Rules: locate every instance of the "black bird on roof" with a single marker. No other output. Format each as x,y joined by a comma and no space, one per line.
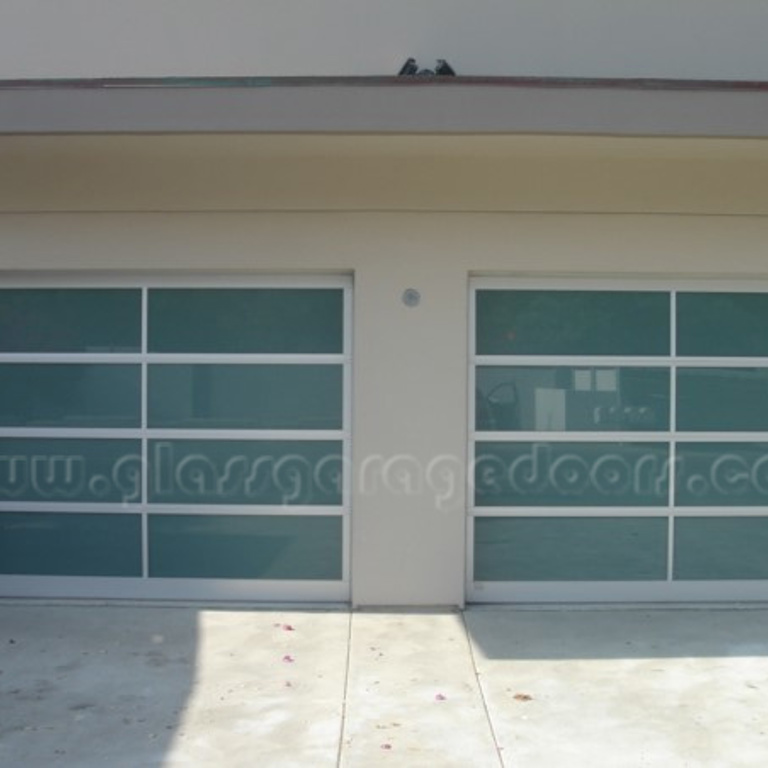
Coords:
411,68
444,69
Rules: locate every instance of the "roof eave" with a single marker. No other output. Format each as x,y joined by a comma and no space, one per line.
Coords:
434,105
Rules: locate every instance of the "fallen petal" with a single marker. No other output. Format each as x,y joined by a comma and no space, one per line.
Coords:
288,659
440,697
288,628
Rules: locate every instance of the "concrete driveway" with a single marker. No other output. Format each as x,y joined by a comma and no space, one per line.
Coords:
110,686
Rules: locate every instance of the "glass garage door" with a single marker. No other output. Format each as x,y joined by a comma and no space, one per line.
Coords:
619,442
175,441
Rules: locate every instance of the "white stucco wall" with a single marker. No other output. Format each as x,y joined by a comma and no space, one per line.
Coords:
577,38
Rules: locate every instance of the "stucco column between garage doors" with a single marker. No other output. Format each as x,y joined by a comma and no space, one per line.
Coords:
409,433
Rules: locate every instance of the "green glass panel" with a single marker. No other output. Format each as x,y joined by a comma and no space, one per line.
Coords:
721,474
245,547
70,320
570,549
571,474
246,396
42,469
722,399
571,399
285,472
249,320
572,322
64,544
722,324
70,395
721,548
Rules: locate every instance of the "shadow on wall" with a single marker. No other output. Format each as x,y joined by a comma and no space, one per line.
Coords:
619,633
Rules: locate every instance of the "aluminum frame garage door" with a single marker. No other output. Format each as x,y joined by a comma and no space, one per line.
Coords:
619,441
180,438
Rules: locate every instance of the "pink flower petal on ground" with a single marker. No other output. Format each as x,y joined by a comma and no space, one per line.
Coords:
288,659
440,697
386,746
289,628
522,697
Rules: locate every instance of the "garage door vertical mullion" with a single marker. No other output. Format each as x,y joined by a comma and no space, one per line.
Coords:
144,440
346,464
673,434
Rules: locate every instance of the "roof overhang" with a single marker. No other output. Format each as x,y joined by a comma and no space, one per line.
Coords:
460,105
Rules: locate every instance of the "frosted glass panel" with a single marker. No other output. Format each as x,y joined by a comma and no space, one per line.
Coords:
721,474
571,474
60,469
246,320
242,547
282,472
722,324
721,548
722,399
511,322
246,396
70,320
64,544
70,395
571,399
570,549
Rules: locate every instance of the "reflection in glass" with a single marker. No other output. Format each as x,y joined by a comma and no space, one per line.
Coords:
722,399
518,322
570,549
571,398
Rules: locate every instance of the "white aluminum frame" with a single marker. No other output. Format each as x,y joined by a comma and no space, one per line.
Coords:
145,587
667,590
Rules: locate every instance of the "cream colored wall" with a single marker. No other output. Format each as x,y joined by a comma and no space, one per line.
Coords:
410,365
395,212
577,38
384,173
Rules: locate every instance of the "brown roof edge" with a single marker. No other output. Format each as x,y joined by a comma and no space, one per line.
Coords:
601,83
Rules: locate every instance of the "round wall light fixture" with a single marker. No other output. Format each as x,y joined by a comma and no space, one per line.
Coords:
411,297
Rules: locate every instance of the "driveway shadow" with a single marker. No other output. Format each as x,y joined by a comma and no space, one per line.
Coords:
616,633
93,686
